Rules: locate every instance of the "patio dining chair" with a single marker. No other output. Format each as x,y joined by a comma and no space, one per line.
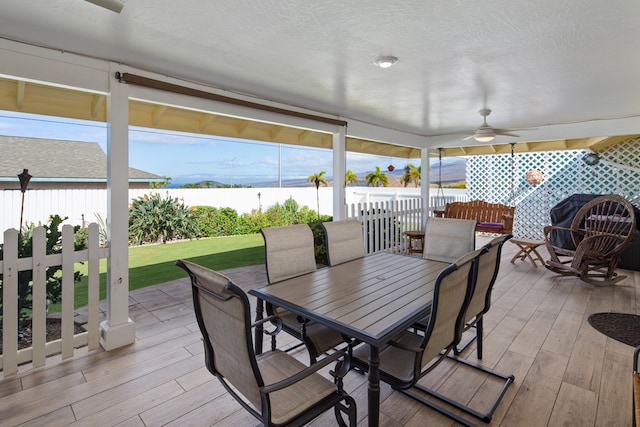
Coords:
274,387
344,240
447,239
411,355
600,232
488,268
290,252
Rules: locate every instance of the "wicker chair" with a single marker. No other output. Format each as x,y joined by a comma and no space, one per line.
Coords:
411,356
344,240
600,232
289,252
447,239
274,387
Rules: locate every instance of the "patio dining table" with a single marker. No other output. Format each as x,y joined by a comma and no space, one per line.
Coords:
371,299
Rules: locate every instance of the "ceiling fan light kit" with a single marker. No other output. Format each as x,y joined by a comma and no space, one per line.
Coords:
486,133
484,138
385,61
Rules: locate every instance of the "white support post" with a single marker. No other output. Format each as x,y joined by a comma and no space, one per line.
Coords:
339,170
118,330
425,182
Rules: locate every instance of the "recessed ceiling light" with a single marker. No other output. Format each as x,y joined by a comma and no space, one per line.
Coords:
385,61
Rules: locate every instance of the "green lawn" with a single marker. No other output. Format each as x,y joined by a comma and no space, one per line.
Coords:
154,264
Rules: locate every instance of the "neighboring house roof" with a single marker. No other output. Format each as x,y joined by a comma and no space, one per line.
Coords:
58,160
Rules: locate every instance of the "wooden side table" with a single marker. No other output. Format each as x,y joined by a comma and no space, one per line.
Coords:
528,250
416,241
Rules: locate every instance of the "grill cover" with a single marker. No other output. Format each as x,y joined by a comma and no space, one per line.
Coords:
562,215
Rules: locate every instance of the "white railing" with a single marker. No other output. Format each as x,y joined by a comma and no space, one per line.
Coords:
385,222
38,263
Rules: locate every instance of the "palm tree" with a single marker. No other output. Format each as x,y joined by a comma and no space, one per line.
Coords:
350,178
376,178
317,179
411,174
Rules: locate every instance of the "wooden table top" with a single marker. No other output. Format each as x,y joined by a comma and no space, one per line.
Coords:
370,298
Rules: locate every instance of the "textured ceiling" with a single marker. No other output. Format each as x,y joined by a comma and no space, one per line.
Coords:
568,68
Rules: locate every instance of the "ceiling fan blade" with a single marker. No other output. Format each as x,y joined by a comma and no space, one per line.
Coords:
467,138
506,134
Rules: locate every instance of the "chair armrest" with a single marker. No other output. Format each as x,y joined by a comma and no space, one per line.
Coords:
405,347
273,319
304,373
549,228
438,213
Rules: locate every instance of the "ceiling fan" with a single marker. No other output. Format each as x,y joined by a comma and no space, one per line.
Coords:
486,133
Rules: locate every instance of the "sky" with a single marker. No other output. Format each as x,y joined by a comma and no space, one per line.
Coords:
191,158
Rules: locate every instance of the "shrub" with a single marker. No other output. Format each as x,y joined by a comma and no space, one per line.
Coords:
53,273
319,238
250,223
153,219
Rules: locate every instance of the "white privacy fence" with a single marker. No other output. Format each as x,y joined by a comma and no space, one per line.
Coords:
384,223
81,206
11,265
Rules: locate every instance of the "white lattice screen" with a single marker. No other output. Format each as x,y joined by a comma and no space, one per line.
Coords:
501,179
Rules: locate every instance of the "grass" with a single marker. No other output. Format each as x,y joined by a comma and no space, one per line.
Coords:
154,264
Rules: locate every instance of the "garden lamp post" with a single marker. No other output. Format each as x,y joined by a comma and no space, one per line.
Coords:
316,181
24,178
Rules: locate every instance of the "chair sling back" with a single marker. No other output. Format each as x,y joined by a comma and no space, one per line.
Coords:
275,387
289,252
344,240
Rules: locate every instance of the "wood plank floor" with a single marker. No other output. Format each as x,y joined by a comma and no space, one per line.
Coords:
567,373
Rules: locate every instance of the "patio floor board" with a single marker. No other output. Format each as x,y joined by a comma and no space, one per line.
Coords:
537,329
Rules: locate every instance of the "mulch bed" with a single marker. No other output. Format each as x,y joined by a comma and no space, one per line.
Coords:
54,332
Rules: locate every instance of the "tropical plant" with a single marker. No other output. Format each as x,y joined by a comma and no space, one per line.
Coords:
102,230
153,219
350,178
412,174
317,179
53,276
377,178
163,184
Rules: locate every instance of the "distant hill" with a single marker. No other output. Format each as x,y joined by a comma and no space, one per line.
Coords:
453,170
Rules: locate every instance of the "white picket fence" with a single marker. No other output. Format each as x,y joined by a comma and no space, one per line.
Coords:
39,262
384,223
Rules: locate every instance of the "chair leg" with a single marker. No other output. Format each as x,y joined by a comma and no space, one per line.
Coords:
435,407
349,409
479,332
464,344
485,417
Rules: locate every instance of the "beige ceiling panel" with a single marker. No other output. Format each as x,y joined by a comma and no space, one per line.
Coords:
28,97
